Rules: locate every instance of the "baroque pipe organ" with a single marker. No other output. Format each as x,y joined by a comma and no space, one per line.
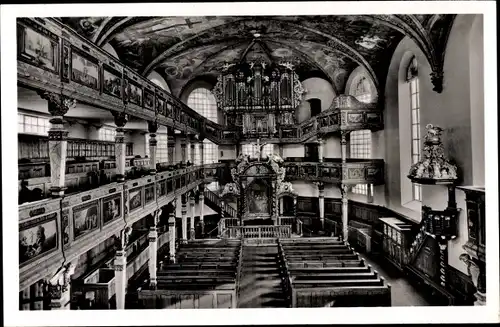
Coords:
258,97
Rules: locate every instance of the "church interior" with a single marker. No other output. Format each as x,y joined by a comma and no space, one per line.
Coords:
194,162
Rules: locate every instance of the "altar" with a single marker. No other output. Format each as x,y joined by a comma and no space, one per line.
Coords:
258,184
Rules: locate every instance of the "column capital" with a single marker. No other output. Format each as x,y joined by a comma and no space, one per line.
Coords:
152,127
343,137
60,284
343,190
121,118
124,238
58,104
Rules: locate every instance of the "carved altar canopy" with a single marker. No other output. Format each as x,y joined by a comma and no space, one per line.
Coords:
258,185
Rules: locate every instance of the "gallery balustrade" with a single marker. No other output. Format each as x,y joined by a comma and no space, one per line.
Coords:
54,230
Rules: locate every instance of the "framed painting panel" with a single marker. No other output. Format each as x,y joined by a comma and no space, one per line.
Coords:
133,93
111,208
37,46
149,193
84,69
149,100
112,82
37,237
85,219
135,198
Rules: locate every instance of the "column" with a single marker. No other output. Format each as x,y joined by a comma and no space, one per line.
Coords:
320,148
200,149
59,288
171,146
171,232
282,207
184,217
120,265
280,150
343,145
152,128
58,106
343,187
192,151
191,204
153,249
321,190
184,143
188,149
201,203
179,149
238,149
345,229
121,119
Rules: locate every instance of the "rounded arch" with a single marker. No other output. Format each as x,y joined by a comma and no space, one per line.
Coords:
361,85
159,81
316,88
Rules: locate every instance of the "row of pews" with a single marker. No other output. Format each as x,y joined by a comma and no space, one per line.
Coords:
325,272
205,275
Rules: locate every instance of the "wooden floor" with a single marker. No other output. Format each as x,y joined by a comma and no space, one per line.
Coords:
402,292
260,285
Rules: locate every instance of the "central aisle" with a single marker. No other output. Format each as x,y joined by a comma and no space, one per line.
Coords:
260,284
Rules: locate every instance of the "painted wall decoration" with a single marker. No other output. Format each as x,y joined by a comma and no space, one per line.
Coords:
149,193
37,48
37,237
135,200
111,208
84,71
85,219
112,83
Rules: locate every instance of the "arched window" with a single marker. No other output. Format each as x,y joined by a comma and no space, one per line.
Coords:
203,102
413,84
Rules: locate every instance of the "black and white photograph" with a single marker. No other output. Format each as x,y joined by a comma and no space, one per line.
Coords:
271,159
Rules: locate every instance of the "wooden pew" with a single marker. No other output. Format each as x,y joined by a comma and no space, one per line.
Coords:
326,264
334,276
318,252
198,272
200,266
346,296
322,257
327,270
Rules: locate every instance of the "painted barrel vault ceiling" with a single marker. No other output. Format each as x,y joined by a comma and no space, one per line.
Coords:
182,49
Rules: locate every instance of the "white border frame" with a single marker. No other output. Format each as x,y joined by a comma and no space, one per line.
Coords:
9,13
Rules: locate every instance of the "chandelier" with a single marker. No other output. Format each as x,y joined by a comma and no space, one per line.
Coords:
258,96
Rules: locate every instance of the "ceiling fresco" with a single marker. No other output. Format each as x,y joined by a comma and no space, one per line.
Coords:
183,48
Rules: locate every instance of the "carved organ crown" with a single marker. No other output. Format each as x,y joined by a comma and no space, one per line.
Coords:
258,96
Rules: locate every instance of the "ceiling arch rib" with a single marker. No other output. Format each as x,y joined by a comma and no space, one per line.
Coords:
100,29
107,35
412,27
